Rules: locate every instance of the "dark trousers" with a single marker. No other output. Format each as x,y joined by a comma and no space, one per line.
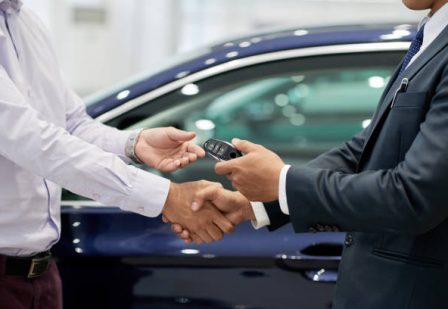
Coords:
44,292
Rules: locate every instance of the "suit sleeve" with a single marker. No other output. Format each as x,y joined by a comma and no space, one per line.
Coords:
344,159
407,199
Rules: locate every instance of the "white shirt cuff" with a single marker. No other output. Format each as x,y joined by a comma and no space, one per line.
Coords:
261,216
148,195
283,201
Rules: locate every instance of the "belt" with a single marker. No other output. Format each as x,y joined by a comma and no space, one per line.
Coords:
27,267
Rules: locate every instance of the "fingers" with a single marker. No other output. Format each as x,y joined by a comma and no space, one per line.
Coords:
215,232
185,160
179,135
224,168
244,146
205,236
177,228
181,233
192,157
195,149
209,193
224,225
197,240
185,235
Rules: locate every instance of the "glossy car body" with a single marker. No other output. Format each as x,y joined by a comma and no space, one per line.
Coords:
298,92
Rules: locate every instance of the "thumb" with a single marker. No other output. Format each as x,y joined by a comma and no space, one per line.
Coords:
209,193
180,135
244,146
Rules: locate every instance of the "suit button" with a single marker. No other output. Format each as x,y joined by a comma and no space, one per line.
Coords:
348,240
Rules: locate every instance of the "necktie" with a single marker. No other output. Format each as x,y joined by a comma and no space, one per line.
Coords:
413,50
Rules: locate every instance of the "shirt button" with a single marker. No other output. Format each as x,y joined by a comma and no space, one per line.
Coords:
140,209
348,240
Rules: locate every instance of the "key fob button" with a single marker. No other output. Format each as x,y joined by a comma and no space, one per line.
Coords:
222,151
215,150
211,145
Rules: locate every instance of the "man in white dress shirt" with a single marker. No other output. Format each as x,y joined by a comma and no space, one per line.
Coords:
47,141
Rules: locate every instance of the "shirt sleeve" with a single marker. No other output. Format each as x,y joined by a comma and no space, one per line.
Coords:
261,216
80,124
50,151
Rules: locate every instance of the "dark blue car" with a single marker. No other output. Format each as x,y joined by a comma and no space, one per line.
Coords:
299,92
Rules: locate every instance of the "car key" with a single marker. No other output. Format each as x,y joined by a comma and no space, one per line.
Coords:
221,150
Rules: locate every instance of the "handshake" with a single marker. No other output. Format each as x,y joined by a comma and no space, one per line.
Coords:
204,211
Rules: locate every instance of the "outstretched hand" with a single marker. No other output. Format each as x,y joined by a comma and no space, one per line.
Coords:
167,149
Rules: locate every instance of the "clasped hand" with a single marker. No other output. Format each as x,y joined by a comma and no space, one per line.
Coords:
203,211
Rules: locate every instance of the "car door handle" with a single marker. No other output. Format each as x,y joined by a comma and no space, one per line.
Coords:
313,269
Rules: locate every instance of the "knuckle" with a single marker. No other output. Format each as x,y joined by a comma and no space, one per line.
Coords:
229,229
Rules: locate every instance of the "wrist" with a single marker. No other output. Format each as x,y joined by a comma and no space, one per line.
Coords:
248,212
132,145
173,196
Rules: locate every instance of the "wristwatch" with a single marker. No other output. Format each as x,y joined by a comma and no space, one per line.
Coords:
130,146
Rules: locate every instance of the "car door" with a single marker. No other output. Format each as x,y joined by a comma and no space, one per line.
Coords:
297,106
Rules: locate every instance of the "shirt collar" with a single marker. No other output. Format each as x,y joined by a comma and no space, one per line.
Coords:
434,25
10,6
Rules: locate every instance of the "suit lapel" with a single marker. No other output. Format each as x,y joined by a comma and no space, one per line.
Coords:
432,50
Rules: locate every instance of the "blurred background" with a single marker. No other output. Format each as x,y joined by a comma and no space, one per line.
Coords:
102,42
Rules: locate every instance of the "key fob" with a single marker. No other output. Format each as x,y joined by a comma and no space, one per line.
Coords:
221,150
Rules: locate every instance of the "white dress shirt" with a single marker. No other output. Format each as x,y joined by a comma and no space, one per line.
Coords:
47,141
434,25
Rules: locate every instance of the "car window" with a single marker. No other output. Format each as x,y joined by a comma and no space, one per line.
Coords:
313,110
299,107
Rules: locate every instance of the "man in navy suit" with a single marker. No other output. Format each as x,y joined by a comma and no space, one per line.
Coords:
387,187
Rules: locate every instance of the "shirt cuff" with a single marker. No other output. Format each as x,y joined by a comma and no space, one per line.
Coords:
261,216
283,201
148,194
118,143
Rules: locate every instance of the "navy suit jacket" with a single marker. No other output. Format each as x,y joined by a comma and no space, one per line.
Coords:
388,188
